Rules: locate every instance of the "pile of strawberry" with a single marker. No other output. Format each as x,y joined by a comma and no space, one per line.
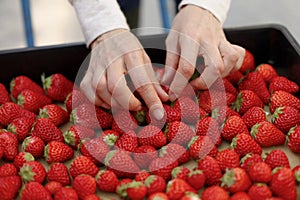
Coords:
55,144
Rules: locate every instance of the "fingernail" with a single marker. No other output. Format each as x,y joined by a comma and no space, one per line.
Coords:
158,113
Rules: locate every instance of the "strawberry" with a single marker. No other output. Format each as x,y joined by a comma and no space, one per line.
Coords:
245,100
150,120
209,126
9,144
236,180
143,155
282,98
223,85
9,187
189,110
95,150
248,62
196,178
283,177
10,111
163,167
1,152
260,172
180,172
244,144
233,126
214,192
249,159
277,158
267,135
66,193
179,133
34,145
222,113
190,196
296,171
211,169
254,115
240,196
8,169
47,131
177,187
92,197
109,137
122,187
22,158
267,71
155,184
84,185
57,114
76,133
151,135
136,190
286,117
33,171
228,159
234,77
82,165
58,172
294,139
201,146
121,163
21,127
74,99
175,152
56,151
123,122
172,113
283,83
127,142
140,115
142,175
158,195
4,95
57,86
53,187
107,181
34,190
20,83
259,191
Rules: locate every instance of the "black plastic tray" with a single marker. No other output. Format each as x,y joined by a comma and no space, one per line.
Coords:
269,43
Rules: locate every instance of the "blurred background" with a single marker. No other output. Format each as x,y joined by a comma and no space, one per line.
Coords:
55,22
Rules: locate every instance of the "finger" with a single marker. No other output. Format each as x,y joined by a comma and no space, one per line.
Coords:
230,57
241,52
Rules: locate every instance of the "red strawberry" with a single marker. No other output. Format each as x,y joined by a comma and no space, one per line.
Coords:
267,135
22,158
9,187
84,185
267,71
74,99
245,100
127,142
33,171
109,137
34,190
151,135
8,169
282,98
4,95
201,146
10,111
76,133
9,144
259,191
34,145
47,131
248,63
163,167
107,181
121,163
196,178
95,150
286,117
92,197
234,77
21,127
177,187
56,151
124,121
59,172
254,115
214,192
143,156
260,172
180,172
233,126
294,139
155,184
158,195
122,187
190,196
1,152
188,109
140,115
172,113
296,171
20,83
284,177
244,144
179,133
222,113
82,165
142,175
57,114
284,84
175,152
66,193
211,169
240,196
249,159
277,158
136,190
53,187
236,180
57,86
228,159
224,85
209,126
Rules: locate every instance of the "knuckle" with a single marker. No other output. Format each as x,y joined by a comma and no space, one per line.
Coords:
187,69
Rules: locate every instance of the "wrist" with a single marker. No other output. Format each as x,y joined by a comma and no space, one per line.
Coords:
106,35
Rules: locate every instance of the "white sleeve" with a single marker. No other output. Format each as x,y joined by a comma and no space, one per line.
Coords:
218,8
98,16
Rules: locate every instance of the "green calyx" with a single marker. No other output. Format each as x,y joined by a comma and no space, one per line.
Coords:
176,171
292,130
234,142
110,139
46,152
69,137
100,172
20,100
44,113
134,184
46,82
25,143
192,141
248,155
297,176
28,156
215,113
238,103
73,118
108,157
228,178
12,85
140,116
276,113
26,173
11,128
254,130
149,180
195,172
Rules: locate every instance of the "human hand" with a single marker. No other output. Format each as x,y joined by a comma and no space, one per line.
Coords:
195,31
115,54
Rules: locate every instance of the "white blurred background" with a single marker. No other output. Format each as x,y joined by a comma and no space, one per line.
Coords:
55,22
